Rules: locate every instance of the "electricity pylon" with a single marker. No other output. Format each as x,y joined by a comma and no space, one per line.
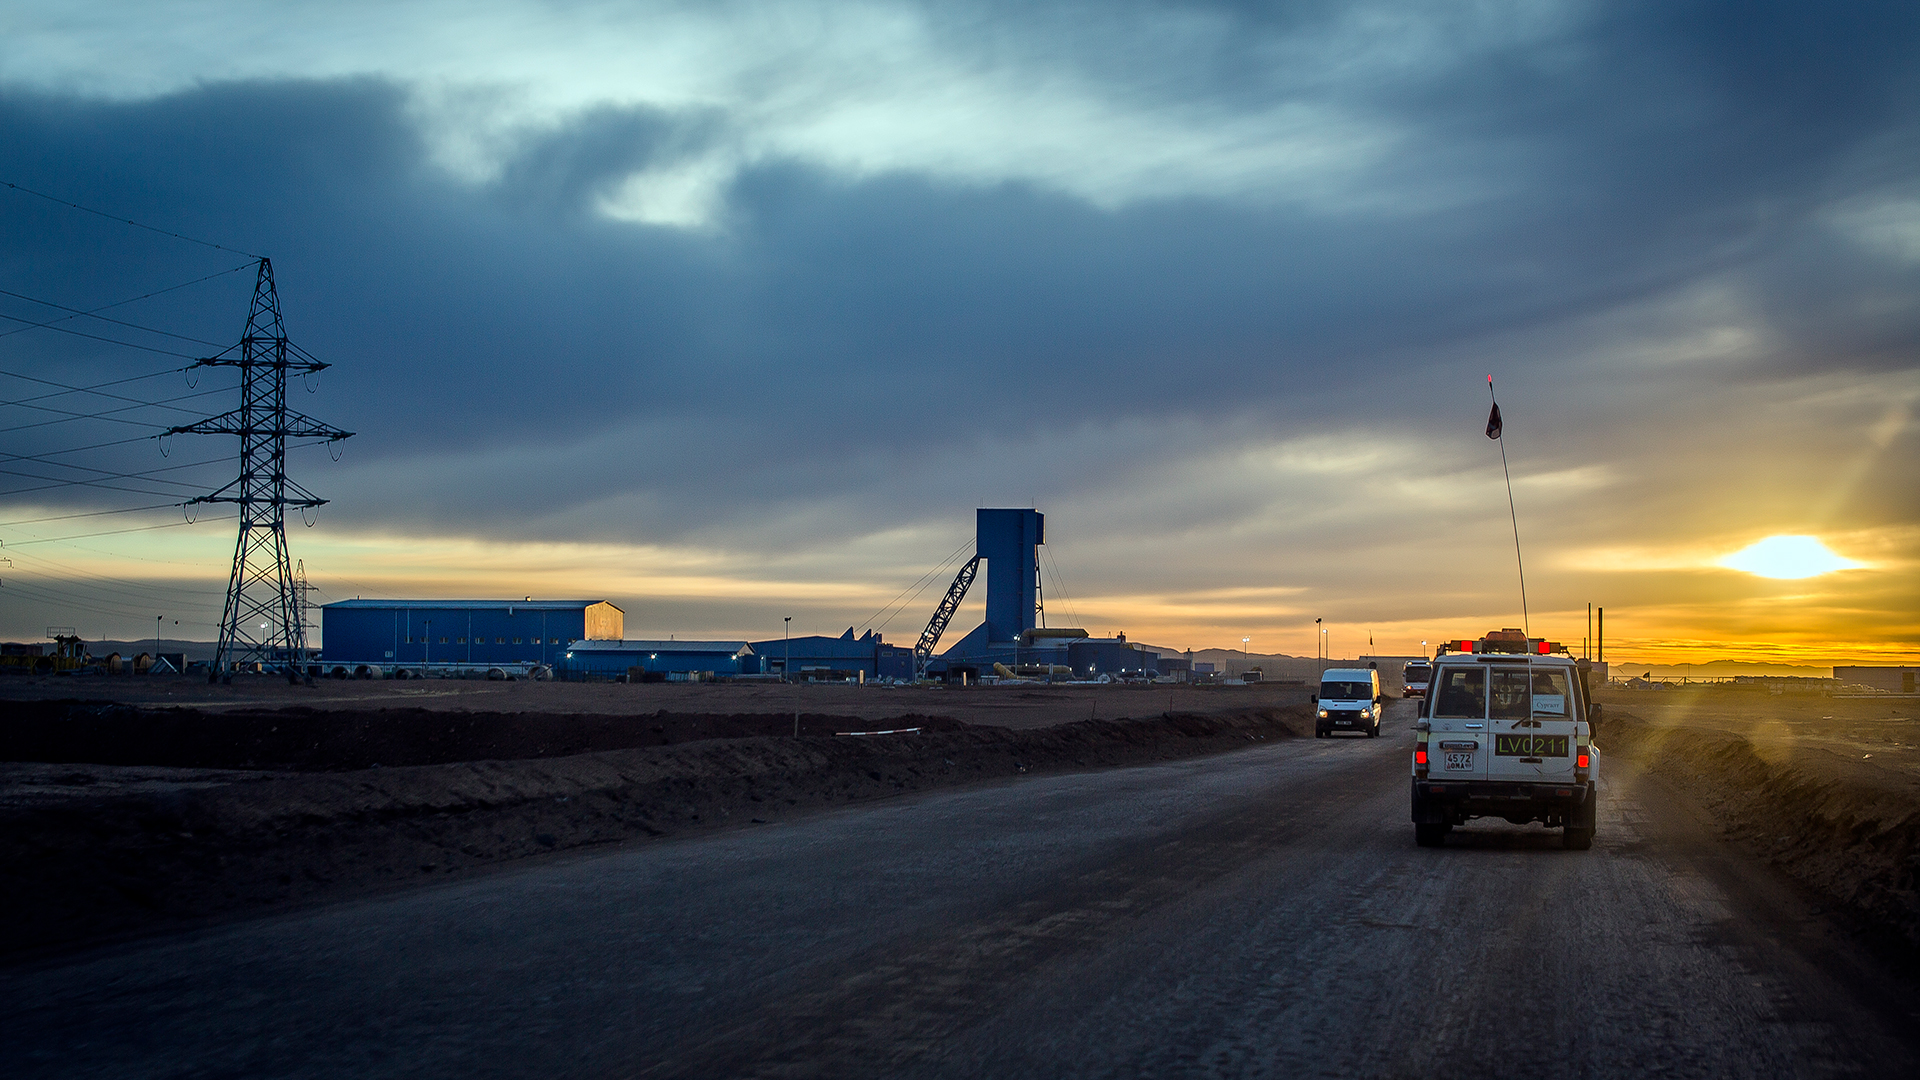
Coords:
263,621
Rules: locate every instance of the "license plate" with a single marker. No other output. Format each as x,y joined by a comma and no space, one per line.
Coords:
1530,745
1457,760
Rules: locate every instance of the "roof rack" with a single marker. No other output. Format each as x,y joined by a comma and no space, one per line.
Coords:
1507,641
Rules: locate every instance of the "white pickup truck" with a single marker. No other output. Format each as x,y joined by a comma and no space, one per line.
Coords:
1506,731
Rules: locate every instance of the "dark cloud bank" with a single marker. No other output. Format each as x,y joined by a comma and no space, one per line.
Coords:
835,337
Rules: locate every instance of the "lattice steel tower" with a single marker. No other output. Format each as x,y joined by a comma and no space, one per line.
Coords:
263,621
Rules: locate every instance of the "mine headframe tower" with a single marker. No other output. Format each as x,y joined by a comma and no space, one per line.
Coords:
262,621
1009,541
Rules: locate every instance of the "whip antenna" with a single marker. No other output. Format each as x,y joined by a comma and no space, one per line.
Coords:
1494,431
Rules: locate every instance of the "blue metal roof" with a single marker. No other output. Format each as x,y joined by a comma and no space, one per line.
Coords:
728,648
531,605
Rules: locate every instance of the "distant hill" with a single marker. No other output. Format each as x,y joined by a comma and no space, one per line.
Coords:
1713,669
1279,665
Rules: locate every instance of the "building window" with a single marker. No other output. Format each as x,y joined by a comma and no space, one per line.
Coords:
443,639
459,641
516,641
499,641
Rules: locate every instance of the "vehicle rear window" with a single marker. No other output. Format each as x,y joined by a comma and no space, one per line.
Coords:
1462,694
1551,696
1346,691
1520,692
1509,699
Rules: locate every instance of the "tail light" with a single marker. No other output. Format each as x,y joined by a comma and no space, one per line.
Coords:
1582,761
1420,756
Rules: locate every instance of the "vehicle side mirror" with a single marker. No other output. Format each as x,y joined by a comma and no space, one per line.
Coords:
1313,697
1378,698
1593,716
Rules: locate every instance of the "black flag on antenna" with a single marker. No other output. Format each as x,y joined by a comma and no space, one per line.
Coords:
1493,422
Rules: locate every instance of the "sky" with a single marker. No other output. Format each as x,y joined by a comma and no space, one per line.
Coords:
728,312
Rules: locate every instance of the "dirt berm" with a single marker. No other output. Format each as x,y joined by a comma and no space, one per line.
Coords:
1846,829
194,818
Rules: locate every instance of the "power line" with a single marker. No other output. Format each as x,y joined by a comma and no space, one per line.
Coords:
919,586
108,415
111,590
57,482
1061,585
39,592
89,389
90,513
79,314
117,532
65,390
130,300
97,337
127,221
75,450
109,474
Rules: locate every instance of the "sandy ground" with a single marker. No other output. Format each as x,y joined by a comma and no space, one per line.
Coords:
1028,706
204,803
1882,732
1827,788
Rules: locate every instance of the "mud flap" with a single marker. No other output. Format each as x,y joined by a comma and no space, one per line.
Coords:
1428,811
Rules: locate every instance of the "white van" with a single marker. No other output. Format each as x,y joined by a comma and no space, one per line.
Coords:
1350,700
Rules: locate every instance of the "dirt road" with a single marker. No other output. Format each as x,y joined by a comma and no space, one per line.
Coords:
1261,913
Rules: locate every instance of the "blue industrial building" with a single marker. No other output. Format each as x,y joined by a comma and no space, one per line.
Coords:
1092,657
817,656
1007,540
437,634
619,659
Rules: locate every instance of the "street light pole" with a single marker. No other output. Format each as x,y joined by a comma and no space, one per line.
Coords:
1246,659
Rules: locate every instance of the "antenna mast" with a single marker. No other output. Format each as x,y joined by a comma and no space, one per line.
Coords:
1496,429
263,620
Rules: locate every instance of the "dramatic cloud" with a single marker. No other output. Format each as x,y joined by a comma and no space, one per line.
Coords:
764,298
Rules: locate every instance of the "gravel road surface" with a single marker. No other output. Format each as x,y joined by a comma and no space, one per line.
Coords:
1262,913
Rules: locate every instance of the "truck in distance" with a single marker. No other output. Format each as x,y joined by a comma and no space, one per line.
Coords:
1413,678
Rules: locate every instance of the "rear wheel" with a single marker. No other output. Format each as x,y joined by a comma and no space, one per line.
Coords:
1578,835
1429,835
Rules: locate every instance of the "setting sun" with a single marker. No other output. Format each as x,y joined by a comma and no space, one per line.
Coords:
1787,557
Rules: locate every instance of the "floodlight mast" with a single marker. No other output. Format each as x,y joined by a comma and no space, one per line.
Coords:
262,586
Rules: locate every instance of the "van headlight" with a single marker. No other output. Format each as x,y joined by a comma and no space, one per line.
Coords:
1323,714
